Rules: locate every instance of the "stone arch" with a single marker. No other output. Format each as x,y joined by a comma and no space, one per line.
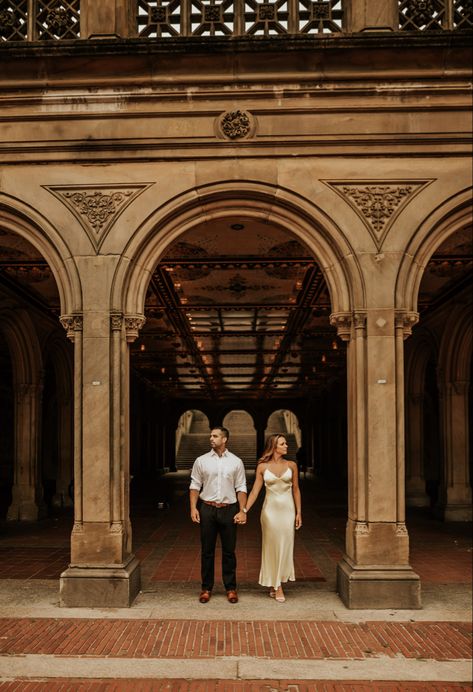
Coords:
453,214
23,345
423,348
20,218
27,370
456,345
276,205
60,355
228,410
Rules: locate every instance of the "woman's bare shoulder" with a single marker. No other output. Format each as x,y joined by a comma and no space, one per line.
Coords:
292,464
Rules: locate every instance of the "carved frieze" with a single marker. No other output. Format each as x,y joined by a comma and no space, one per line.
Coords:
97,207
377,203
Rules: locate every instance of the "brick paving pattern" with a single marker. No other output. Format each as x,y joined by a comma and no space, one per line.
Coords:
168,545
296,640
177,685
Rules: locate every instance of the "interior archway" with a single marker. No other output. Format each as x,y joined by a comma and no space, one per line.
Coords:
34,400
438,382
237,326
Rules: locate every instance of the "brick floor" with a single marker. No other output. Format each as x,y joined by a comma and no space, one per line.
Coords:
167,542
295,640
181,685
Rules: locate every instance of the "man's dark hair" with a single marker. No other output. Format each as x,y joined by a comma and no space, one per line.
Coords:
226,432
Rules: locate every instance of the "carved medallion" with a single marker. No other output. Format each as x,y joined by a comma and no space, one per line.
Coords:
236,125
378,203
97,207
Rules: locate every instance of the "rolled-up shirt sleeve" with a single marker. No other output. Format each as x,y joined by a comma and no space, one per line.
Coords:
240,479
196,476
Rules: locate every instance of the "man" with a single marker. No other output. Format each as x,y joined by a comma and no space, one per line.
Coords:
217,498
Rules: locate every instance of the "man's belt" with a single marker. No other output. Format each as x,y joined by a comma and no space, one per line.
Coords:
218,504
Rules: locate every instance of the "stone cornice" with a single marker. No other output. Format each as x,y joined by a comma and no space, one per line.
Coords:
399,40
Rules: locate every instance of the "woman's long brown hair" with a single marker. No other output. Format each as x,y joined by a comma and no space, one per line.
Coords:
270,447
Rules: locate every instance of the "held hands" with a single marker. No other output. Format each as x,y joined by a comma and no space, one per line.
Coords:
240,518
298,521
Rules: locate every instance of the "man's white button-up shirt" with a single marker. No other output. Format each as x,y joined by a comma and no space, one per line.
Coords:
220,477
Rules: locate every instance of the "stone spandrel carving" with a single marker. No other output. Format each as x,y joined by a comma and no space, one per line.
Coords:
97,207
236,125
378,203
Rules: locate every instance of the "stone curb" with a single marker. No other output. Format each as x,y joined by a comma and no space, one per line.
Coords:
381,668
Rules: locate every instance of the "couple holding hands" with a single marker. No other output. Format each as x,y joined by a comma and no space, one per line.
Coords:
219,502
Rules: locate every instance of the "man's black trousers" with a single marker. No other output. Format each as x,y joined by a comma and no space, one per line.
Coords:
218,521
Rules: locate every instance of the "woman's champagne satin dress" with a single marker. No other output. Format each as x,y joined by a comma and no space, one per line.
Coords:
277,525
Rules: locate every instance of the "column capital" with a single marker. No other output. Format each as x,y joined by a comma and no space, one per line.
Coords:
116,321
72,324
342,321
133,324
359,320
405,320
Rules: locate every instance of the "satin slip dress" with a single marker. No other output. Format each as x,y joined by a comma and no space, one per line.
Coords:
277,526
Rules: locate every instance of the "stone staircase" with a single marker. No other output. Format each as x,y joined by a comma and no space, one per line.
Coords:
242,439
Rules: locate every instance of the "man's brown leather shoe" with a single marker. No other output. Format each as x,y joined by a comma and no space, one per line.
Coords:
232,596
205,596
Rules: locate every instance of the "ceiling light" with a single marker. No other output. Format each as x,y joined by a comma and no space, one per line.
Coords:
334,345
142,347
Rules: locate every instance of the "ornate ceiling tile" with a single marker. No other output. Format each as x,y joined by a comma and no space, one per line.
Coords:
378,203
97,207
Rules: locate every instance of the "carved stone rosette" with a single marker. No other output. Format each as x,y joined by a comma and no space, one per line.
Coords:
235,125
72,324
133,324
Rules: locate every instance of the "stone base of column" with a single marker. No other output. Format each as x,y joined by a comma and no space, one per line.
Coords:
378,587
110,587
457,512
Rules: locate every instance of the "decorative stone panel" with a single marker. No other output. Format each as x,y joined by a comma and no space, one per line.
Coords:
235,125
376,202
97,207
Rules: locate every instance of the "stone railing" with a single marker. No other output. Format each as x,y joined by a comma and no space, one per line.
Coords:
53,20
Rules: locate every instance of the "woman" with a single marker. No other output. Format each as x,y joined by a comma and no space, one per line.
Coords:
280,514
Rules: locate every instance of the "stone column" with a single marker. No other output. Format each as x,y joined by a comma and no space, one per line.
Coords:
103,571
372,15
62,497
375,571
27,492
455,492
416,495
